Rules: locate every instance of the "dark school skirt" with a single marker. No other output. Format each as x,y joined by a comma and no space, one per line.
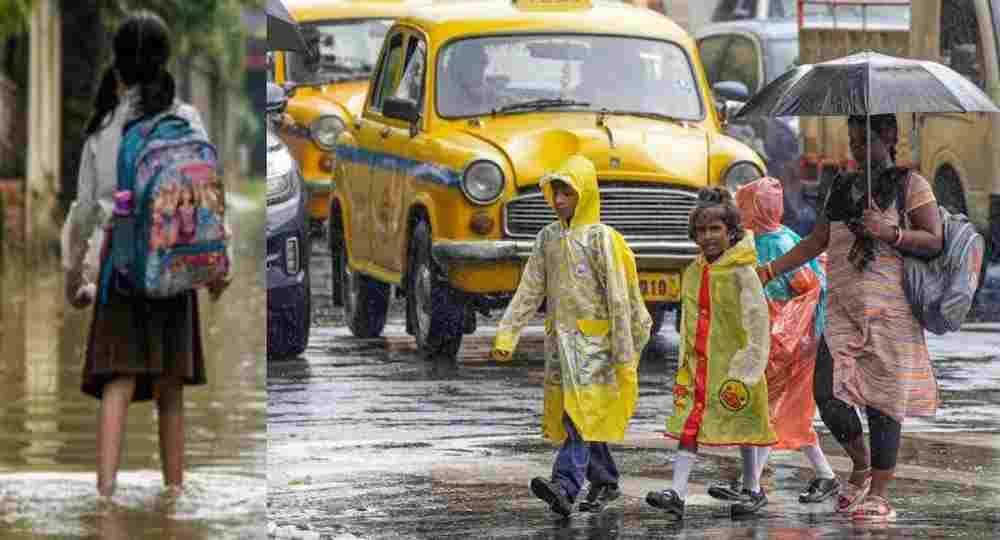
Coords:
144,338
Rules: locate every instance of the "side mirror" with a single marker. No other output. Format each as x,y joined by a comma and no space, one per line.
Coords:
732,91
276,98
727,109
401,109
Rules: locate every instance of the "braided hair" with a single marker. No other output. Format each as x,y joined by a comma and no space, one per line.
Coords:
718,197
141,49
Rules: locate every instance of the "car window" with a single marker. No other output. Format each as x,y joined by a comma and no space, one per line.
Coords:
781,55
734,10
781,9
390,72
961,49
412,83
712,50
347,49
741,63
478,75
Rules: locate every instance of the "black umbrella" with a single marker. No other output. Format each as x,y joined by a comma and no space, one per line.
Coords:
867,83
282,30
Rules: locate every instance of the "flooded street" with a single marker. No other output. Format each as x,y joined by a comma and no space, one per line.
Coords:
48,446
369,441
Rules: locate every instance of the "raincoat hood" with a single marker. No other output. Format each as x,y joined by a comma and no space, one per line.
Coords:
580,174
761,203
742,254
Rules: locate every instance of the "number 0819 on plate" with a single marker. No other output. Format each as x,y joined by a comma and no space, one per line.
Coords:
660,287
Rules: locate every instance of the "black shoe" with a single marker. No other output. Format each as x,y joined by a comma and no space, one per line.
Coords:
819,490
751,503
728,491
599,496
551,493
668,500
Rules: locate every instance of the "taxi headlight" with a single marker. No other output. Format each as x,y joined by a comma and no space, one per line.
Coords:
325,130
280,176
741,173
482,182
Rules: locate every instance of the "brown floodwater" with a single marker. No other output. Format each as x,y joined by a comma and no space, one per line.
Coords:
48,426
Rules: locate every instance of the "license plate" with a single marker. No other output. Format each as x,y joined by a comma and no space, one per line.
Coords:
660,287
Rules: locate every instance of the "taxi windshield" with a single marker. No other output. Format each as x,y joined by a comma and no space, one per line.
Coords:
524,73
347,50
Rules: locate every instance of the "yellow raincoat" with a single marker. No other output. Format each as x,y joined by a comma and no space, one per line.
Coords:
596,324
720,394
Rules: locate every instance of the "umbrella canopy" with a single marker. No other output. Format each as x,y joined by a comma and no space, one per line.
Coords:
867,83
282,30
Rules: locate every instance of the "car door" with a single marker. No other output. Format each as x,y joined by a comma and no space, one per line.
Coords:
374,160
410,147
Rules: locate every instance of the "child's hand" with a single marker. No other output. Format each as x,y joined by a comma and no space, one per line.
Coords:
500,355
763,274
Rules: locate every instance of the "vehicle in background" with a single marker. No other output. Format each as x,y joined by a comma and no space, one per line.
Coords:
740,58
289,307
436,187
330,86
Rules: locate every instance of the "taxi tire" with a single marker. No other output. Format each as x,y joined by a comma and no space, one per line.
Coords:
367,320
447,317
335,238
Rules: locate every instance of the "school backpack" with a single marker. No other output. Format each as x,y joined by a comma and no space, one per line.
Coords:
941,290
167,228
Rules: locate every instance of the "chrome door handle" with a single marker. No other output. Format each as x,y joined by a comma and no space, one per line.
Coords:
385,132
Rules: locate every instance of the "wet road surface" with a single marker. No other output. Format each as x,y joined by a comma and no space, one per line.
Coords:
48,427
369,441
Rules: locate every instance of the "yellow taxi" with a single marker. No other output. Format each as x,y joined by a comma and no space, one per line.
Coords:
329,88
436,181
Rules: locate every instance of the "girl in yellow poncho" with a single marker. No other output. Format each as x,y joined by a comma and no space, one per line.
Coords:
720,395
596,327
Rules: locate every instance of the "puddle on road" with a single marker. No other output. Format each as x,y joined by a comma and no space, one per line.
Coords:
48,447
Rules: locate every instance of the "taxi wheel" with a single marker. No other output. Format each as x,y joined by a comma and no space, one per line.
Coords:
335,239
434,310
366,300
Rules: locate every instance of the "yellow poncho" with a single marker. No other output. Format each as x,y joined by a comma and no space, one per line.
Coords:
720,395
596,323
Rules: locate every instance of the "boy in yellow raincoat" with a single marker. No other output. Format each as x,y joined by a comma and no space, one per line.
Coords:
595,329
720,394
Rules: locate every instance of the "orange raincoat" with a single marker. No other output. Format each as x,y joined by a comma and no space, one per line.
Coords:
796,303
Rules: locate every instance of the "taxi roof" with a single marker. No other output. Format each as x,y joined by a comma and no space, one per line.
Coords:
448,20
305,11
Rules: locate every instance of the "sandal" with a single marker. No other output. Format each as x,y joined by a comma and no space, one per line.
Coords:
851,496
874,508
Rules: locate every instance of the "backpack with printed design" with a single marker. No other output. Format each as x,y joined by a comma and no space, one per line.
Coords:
167,229
941,290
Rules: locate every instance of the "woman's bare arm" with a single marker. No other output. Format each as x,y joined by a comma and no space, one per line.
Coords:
925,238
808,249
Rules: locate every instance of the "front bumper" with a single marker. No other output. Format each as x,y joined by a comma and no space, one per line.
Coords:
449,252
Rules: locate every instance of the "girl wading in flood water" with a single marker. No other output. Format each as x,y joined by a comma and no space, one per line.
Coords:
873,354
139,349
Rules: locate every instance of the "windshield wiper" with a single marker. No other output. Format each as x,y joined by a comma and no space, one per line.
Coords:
643,114
538,104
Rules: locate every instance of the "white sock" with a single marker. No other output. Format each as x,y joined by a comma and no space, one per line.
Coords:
750,479
763,453
816,456
683,464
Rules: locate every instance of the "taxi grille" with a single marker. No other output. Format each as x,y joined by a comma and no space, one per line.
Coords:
637,213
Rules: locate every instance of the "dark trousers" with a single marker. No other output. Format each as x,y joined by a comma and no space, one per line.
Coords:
579,460
842,420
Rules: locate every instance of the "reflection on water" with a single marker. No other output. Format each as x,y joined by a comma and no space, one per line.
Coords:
48,447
